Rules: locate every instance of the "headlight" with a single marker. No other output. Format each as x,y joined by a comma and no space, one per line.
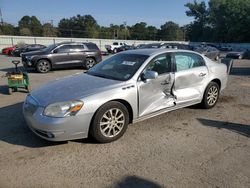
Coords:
63,109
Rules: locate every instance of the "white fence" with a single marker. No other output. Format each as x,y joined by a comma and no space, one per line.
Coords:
6,41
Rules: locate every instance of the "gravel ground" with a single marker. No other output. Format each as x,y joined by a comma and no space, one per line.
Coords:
184,148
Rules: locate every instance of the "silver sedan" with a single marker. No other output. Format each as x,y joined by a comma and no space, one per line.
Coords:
125,88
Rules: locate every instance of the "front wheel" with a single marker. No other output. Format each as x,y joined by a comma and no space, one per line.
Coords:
110,122
89,63
211,95
43,66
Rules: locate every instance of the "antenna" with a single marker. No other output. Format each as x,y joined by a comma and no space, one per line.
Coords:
1,16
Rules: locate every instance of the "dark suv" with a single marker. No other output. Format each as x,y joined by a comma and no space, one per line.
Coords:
63,55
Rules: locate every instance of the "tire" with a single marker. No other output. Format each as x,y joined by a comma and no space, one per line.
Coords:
89,63
113,126
43,66
10,91
115,51
211,95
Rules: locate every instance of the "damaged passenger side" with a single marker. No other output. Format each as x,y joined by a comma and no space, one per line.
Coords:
157,92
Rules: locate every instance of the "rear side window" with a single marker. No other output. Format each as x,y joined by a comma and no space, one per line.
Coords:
92,46
185,61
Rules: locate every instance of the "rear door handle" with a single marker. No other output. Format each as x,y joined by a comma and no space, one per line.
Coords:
202,74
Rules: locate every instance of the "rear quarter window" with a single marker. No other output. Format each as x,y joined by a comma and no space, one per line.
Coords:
92,46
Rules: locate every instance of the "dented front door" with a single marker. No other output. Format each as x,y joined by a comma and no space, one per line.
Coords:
155,94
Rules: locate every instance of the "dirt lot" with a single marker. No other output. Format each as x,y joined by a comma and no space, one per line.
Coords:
185,148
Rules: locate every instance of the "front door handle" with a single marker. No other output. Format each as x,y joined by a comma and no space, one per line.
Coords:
202,74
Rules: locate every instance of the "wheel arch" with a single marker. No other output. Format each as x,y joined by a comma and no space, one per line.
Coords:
216,80
122,101
43,58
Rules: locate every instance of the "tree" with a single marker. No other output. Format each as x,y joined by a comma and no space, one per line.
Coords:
49,30
25,31
7,29
230,20
196,30
170,31
79,26
139,31
31,23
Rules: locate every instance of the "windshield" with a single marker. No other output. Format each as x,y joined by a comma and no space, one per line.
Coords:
118,67
50,47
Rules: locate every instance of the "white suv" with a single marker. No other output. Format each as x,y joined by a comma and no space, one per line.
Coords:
113,48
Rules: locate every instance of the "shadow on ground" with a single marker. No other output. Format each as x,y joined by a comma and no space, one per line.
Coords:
136,182
234,127
13,129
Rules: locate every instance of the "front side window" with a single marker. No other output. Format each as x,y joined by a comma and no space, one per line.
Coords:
161,64
118,67
185,61
64,49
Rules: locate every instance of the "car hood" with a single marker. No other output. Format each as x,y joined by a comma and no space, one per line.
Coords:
72,88
38,52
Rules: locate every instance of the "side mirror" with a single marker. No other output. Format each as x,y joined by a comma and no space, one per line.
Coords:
149,75
55,51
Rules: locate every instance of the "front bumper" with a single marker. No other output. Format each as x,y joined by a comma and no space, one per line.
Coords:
56,129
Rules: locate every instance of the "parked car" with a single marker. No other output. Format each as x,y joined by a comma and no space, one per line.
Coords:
8,50
210,52
113,48
239,54
27,48
63,55
128,87
167,45
125,48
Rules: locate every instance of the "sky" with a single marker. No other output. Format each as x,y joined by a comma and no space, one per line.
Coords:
106,12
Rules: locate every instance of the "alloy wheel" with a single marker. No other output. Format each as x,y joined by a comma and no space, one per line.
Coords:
212,95
44,66
112,122
90,63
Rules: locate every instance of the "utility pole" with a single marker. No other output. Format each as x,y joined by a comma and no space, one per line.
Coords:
125,30
1,16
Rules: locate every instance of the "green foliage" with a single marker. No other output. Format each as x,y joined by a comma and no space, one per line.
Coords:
171,31
30,23
25,32
49,30
7,29
222,21
79,26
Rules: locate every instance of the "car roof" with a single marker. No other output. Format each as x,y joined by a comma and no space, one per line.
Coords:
154,51
75,43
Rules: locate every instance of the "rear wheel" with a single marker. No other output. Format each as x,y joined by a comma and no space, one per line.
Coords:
89,63
43,66
115,51
110,122
211,95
